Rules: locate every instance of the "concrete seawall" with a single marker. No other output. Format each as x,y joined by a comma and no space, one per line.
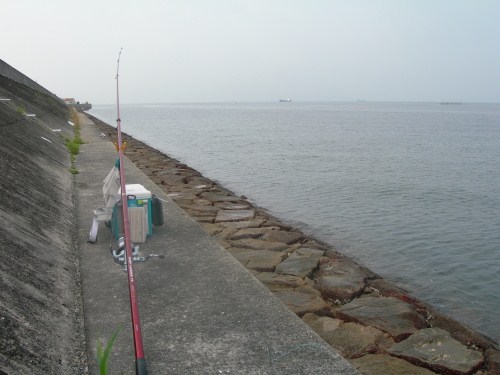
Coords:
40,309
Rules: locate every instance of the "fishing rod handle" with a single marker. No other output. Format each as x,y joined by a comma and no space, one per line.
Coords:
140,367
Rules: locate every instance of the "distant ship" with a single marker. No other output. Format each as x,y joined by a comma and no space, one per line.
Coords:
287,100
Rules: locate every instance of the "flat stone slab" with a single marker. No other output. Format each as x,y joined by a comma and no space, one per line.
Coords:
254,244
288,237
198,214
204,209
274,281
255,223
234,215
249,233
435,349
198,182
382,364
258,260
322,325
302,303
232,206
301,263
182,195
342,281
388,314
352,340
225,233
220,197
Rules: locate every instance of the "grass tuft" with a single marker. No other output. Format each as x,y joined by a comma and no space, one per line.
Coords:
73,145
103,355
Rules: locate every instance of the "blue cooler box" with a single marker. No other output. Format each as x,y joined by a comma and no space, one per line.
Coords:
138,196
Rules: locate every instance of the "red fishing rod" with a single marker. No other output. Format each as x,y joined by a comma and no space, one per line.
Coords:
140,362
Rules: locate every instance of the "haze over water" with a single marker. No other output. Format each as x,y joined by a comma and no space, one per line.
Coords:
411,190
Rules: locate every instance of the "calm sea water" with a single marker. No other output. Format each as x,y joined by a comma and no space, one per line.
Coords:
411,190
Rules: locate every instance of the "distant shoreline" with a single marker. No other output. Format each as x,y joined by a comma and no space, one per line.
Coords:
301,102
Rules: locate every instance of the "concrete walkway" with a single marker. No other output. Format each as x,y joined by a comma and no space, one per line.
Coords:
201,311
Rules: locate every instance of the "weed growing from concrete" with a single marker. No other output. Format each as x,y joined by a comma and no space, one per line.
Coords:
103,355
73,145
21,110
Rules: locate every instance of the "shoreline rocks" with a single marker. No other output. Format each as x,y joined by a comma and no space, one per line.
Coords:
360,314
435,349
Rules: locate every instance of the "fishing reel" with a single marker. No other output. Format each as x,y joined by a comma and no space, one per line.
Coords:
119,254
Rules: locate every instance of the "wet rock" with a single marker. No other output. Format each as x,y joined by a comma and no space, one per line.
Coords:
493,361
274,281
302,303
198,182
254,244
258,260
275,223
288,237
435,349
301,263
312,244
385,288
352,340
458,331
340,280
234,215
382,364
388,314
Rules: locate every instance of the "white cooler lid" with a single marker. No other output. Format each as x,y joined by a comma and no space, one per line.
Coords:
138,190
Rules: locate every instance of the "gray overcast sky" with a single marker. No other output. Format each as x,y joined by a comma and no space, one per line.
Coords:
257,50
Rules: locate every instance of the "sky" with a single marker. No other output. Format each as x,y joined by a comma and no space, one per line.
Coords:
257,50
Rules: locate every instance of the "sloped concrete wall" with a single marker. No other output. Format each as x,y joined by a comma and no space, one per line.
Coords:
40,308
